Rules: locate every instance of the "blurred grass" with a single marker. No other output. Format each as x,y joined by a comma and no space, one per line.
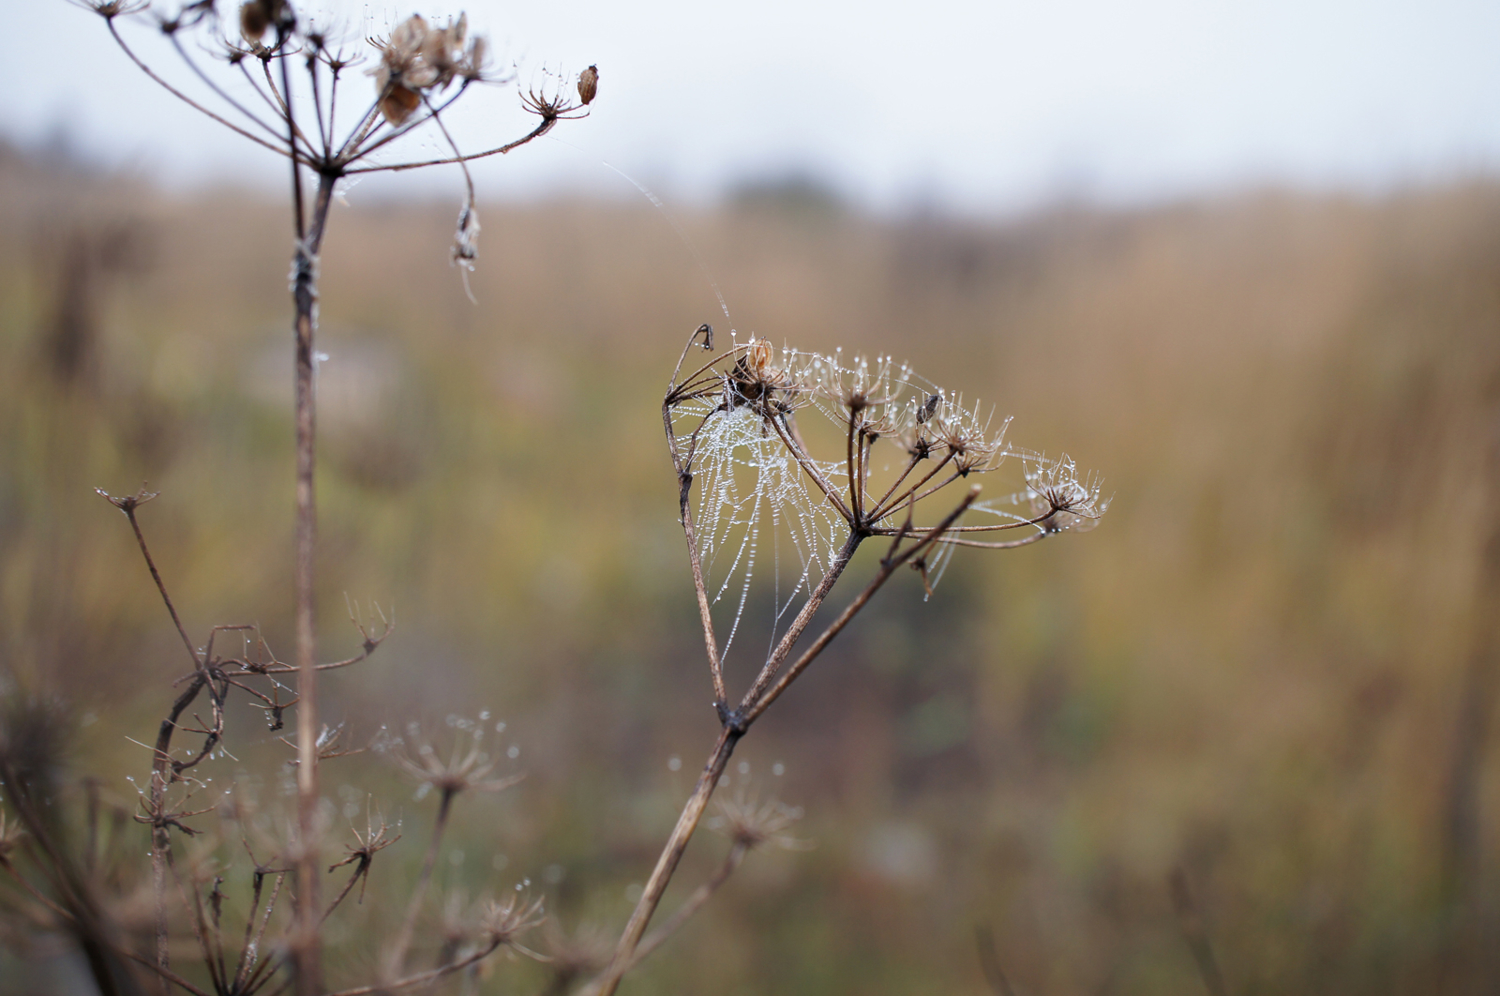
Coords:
1255,670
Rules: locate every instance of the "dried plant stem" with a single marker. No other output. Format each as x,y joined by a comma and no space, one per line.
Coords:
305,296
90,928
402,940
162,776
160,586
691,905
765,690
666,865
425,978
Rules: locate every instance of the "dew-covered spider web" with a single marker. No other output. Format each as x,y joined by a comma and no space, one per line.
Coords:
755,504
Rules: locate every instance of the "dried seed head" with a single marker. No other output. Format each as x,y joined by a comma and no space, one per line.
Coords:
505,921
403,68
473,65
258,16
464,769
254,20
588,84
443,50
549,108
752,823
1067,503
127,503
111,9
755,377
398,103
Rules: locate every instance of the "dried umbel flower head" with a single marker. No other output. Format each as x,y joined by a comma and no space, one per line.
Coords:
1059,499
756,377
746,427
588,85
418,58
467,768
752,823
505,920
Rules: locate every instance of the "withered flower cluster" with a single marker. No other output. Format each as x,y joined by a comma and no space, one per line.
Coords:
264,70
419,71
418,60
735,428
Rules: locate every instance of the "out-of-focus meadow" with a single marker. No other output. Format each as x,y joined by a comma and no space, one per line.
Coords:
1268,672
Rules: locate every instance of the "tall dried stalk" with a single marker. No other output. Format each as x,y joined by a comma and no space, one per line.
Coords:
420,71
748,398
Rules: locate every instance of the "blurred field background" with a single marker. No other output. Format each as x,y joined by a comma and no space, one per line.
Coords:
1269,672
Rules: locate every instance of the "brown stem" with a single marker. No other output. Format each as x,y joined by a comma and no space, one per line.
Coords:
752,708
256,966
888,503
360,869
689,529
160,586
691,905
536,132
292,153
305,947
423,978
257,885
397,955
162,775
671,855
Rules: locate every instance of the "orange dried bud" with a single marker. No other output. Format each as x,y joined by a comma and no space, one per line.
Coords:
588,84
398,103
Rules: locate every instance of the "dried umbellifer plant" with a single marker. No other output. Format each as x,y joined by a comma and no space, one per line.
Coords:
276,79
734,427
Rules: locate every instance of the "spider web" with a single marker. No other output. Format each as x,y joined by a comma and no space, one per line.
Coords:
753,493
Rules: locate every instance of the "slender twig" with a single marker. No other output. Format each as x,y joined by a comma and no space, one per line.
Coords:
258,881
291,153
535,133
671,856
689,529
691,905
218,90
362,151
424,978
128,506
754,707
396,953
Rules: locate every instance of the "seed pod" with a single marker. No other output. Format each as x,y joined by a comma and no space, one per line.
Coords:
254,20
398,103
256,16
588,84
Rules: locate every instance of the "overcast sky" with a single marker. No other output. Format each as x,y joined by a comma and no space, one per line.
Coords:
982,106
